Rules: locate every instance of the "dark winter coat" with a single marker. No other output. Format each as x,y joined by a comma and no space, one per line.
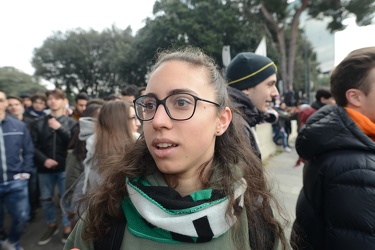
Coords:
335,209
51,144
250,115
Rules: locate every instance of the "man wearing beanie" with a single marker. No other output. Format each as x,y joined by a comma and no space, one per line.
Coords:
252,86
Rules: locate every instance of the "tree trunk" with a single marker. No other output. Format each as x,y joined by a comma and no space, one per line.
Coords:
293,43
287,63
281,42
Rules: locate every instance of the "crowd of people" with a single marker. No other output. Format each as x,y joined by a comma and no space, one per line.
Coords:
177,163
48,147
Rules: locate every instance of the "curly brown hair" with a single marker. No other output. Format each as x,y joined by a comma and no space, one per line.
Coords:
231,149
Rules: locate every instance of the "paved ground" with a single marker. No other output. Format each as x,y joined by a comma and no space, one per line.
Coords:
286,179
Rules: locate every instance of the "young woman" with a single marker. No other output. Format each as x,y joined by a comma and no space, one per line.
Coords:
115,130
191,180
110,133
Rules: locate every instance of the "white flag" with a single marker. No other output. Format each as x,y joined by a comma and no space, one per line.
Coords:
226,55
262,47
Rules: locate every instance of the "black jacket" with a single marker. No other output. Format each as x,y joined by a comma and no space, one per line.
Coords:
336,206
50,143
250,115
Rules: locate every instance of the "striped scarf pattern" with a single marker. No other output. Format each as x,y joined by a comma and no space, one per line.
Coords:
160,213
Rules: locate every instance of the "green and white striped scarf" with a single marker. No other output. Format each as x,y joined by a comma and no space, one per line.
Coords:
159,213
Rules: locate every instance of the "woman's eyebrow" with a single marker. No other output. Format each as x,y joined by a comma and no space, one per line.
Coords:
174,91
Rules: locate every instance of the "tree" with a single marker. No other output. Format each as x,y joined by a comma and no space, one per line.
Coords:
16,82
82,60
282,17
208,24
179,23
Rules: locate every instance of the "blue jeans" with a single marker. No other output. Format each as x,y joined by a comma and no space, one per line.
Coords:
47,183
33,190
14,196
279,133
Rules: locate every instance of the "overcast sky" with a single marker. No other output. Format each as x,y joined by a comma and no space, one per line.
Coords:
353,37
25,24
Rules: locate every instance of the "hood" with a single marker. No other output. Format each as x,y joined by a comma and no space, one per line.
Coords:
330,129
243,104
317,105
86,127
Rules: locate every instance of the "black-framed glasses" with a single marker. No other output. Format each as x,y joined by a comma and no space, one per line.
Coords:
179,106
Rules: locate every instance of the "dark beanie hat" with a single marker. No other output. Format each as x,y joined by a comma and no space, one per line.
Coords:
248,69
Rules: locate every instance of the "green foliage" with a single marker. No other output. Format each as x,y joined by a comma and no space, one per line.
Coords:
86,61
15,82
282,20
340,10
209,24
306,65
100,63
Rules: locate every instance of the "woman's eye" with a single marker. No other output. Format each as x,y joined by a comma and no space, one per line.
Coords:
182,102
149,106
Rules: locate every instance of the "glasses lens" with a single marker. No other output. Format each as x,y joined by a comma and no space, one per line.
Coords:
145,107
180,106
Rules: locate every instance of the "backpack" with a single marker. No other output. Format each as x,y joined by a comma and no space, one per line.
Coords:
112,240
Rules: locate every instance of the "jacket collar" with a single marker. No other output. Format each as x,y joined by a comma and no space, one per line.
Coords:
242,102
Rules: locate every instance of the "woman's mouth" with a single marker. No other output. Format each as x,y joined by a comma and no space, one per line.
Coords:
165,145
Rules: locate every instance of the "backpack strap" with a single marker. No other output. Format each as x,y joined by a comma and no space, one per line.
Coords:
269,235
112,240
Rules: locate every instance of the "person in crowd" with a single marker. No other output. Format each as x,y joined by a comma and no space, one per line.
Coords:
289,99
51,136
283,127
114,97
115,129
38,107
77,146
26,100
133,122
16,108
335,209
323,97
36,111
80,105
300,106
186,181
17,154
129,93
77,154
141,90
252,86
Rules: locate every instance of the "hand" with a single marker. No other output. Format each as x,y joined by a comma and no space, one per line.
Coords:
50,163
21,176
54,124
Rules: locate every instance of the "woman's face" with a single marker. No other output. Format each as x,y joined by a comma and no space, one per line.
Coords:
180,147
134,123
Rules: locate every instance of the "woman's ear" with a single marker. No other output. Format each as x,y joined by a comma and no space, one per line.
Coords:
354,97
225,118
